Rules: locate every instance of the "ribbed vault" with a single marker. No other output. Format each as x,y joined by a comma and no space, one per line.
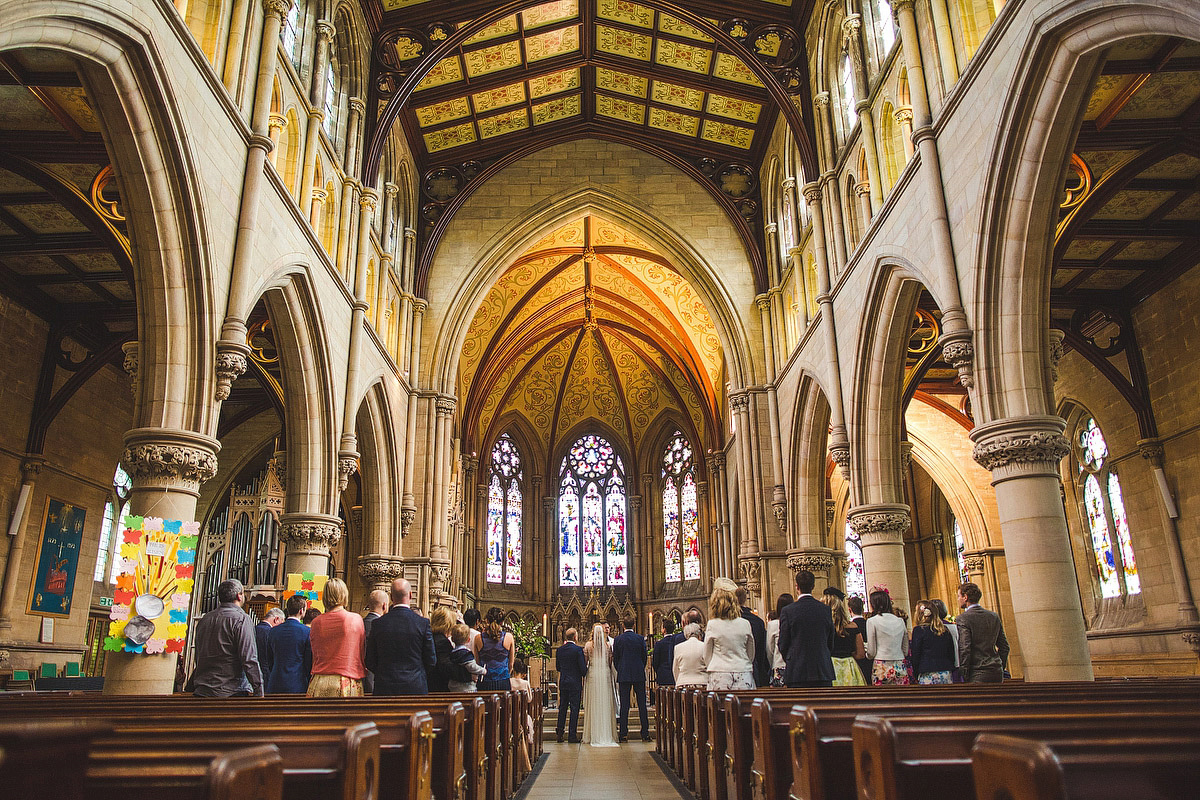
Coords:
591,323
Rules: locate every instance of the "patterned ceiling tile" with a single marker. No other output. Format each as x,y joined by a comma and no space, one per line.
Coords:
549,13
683,56
534,397
552,43
1109,279
743,110
395,5
625,11
95,262
1165,95
1180,165
623,43
1062,277
622,82
1088,249
498,98
554,83
679,96
448,70
81,175
558,108
32,265
75,103
454,108
723,133
1132,204
10,182
731,68
1133,49
673,121
620,109
676,26
496,58
1105,90
508,122
44,218
1146,251
1188,209
505,27
785,3
450,137
1100,162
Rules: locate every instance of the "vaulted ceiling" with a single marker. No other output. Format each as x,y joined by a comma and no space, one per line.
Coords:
591,323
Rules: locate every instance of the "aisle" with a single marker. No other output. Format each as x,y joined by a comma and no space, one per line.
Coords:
580,772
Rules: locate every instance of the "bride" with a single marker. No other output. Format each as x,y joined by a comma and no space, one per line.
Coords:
599,709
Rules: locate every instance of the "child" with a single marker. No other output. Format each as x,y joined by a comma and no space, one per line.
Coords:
460,635
520,683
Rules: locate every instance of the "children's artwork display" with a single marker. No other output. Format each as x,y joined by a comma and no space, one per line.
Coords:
308,585
155,575
57,559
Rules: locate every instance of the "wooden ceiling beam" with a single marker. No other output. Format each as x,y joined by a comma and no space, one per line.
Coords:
1120,230
55,147
52,244
1129,134
1138,66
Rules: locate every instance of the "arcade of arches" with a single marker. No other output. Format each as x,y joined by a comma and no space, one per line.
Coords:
570,307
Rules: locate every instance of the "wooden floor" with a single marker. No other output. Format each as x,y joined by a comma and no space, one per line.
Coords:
581,772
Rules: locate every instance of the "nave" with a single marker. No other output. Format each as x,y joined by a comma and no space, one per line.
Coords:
581,772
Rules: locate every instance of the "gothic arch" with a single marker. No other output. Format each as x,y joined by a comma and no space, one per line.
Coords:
809,486
1037,133
380,471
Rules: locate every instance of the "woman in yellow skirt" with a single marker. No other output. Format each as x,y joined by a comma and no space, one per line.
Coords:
847,642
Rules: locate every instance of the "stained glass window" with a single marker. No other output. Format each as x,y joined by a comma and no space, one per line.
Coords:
849,100
504,513
289,34
856,576
330,106
681,512
114,512
885,26
1104,507
591,516
960,547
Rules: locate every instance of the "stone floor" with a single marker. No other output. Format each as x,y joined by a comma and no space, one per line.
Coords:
581,772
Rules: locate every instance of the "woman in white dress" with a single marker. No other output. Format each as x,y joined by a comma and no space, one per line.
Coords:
599,708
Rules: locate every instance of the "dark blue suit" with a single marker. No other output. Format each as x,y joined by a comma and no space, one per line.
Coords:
629,657
399,651
290,657
572,666
663,659
261,631
806,641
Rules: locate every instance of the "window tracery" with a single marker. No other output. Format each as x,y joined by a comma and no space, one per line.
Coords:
681,513
505,513
291,34
856,576
960,548
1104,510
591,516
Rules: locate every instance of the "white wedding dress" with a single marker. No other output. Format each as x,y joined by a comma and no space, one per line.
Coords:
599,707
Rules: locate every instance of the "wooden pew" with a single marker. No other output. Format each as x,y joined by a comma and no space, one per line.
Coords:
252,773
929,756
1162,767
34,749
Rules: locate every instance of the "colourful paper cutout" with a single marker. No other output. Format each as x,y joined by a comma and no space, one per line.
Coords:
184,570
306,584
185,585
118,612
186,556
306,576
177,630
178,615
128,566
125,582
130,551
130,647
174,646
180,600
113,644
124,596
156,645
152,524
131,536
117,628
172,525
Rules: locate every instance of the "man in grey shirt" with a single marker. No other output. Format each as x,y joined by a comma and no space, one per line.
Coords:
226,655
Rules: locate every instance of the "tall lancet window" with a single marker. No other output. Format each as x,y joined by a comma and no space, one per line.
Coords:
504,513
1104,508
681,514
592,549
856,575
849,100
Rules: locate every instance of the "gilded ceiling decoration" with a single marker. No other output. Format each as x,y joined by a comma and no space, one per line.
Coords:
591,323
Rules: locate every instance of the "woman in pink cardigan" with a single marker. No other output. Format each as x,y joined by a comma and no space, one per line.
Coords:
338,642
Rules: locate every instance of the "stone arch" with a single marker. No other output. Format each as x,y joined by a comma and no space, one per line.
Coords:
461,300
809,447
380,472
148,144
1038,130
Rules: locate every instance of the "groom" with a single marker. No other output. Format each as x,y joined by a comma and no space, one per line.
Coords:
572,667
629,657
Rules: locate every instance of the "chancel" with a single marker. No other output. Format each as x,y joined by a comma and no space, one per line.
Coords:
577,313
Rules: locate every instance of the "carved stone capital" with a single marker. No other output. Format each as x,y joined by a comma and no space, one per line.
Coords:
347,466
901,7
132,350
906,448
739,402
356,517
816,563
779,507
821,100
325,30
419,305
276,123
1054,352
446,405
974,562
904,116
369,200
231,363
840,453
812,193
716,462
319,196
310,534
277,8
851,25
357,106
635,502
882,523
549,504
750,571
439,576
1192,640
378,570
407,516
1151,450
1020,446
959,352
31,467
763,301
171,459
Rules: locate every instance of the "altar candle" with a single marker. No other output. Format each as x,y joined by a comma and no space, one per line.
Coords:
545,624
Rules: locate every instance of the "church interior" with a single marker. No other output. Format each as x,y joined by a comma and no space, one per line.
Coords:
570,308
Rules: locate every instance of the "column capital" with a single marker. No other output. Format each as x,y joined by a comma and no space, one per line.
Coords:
788,183
391,189
231,363
812,193
369,199
446,405
770,228
751,572
1055,351
277,8
904,114
739,401
549,503
1151,450
357,106
716,462
880,523
821,99
959,352
379,570
169,459
635,502
319,195
851,25
132,351
1020,446
839,452
815,561
347,465
763,301
310,534
419,305
325,30
899,6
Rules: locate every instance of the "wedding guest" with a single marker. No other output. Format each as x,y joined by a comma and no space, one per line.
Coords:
460,637
520,683
263,629
762,668
806,637
887,641
496,652
289,651
664,653
848,645
377,606
311,614
444,669
932,650
400,647
982,645
226,656
337,639
728,640
854,604
629,660
774,656
471,618
940,607
688,666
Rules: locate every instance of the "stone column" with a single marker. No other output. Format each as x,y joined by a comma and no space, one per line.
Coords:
739,403
778,495
316,115
408,502
750,570
945,42
533,566
828,180
904,118
310,538
348,448
819,561
354,119
881,527
638,549
167,468
275,125
31,467
549,509
379,570
1023,454
720,524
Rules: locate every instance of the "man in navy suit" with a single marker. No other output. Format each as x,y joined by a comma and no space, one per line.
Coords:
289,651
400,647
572,666
629,657
758,628
806,637
663,658
274,617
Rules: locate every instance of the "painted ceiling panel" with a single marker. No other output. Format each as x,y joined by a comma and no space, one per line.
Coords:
744,110
677,27
549,14
505,27
673,122
559,108
616,81
683,56
555,82
489,60
447,111
552,43
493,99
679,96
731,68
623,110
508,122
629,13
723,133
537,393
623,43
448,70
591,390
